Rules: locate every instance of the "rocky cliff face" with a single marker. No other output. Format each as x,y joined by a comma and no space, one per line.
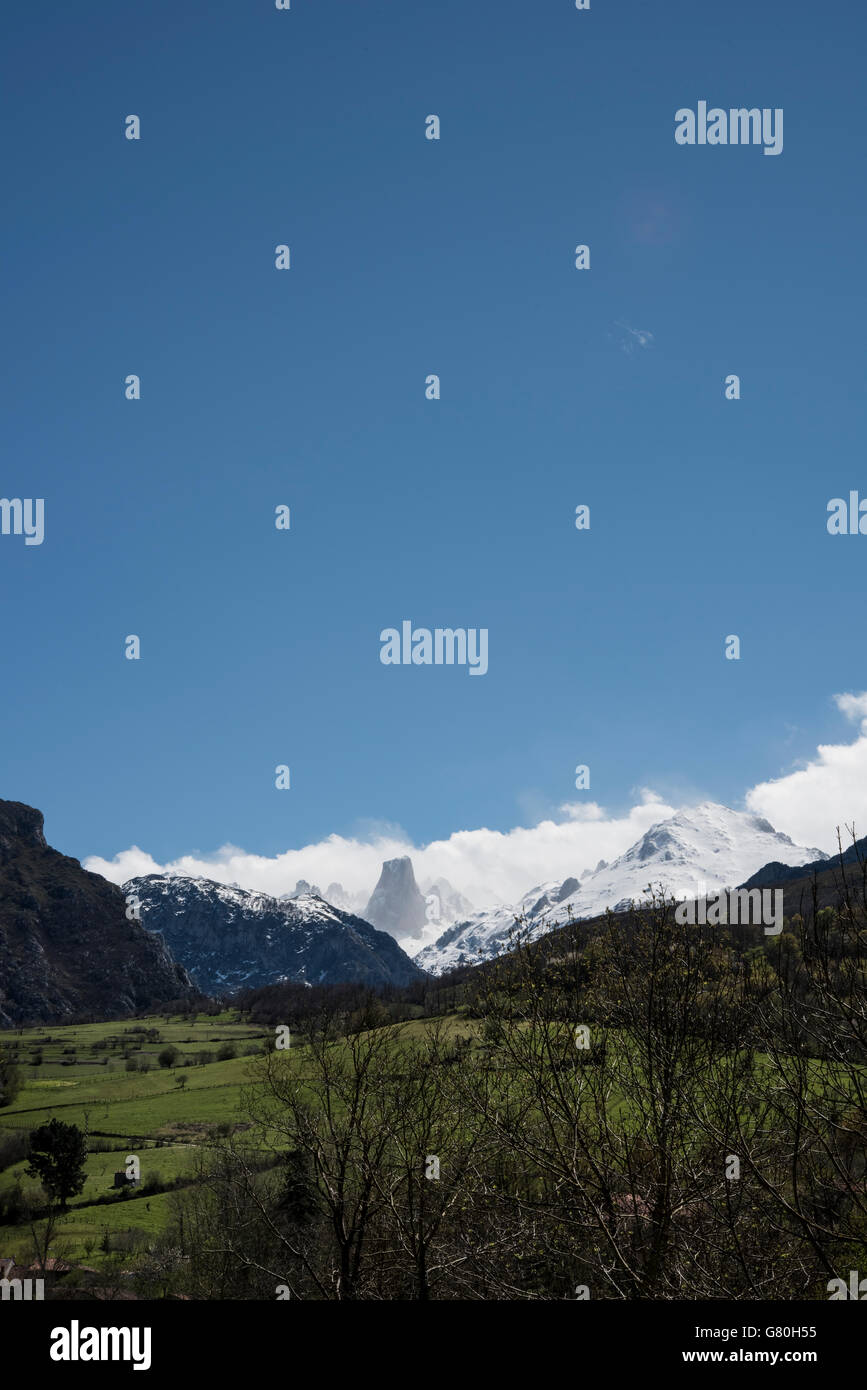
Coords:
396,904
66,946
229,938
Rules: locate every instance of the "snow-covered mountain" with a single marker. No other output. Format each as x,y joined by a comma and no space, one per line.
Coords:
335,894
486,934
444,903
695,852
340,897
229,937
302,887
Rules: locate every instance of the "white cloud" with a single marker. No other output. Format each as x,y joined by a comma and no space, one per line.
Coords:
582,810
628,339
830,790
488,866
492,866
854,707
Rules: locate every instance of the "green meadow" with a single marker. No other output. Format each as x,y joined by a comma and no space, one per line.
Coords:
163,1114
115,1082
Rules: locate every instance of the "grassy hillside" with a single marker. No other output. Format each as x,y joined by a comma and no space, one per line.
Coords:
631,1108
163,1114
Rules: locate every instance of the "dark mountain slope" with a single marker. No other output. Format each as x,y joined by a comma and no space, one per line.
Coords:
778,874
66,946
230,938
832,880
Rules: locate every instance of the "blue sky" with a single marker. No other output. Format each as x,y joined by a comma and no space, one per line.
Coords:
306,387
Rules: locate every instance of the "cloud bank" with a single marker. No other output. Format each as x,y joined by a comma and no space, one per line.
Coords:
491,866
830,790
488,866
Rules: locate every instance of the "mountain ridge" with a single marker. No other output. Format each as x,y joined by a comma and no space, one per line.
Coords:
775,873
67,948
230,938
697,850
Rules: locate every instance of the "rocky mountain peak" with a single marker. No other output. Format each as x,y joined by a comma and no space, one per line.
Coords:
396,904
701,848
20,827
67,947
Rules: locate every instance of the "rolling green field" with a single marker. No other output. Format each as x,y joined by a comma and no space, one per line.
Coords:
165,1112
163,1115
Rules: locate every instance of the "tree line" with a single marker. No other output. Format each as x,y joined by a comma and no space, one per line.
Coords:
625,1109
